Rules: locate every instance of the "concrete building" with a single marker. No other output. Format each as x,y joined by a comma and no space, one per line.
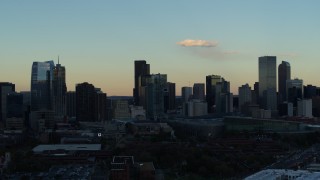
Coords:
197,107
121,109
137,112
305,108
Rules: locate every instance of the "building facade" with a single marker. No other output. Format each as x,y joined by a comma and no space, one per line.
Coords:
284,74
268,82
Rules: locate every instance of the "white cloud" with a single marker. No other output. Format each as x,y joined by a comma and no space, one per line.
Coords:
197,43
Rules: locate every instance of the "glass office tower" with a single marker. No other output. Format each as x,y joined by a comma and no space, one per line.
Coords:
41,85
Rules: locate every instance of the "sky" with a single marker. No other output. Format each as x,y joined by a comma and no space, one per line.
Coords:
98,41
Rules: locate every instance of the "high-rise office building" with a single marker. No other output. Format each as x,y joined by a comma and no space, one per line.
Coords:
100,113
59,91
245,96
211,81
15,111
42,86
284,74
85,95
268,82
141,70
186,94
71,103
170,96
91,103
5,89
154,95
223,98
198,91
294,90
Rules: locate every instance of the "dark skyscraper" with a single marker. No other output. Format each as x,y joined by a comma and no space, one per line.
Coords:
5,89
268,82
141,69
59,90
170,96
211,82
41,86
284,74
85,94
198,91
71,104
91,103
15,105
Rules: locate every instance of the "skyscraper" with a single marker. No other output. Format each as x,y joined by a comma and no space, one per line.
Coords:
198,91
268,82
211,81
71,103
284,74
223,97
154,95
170,96
245,96
141,69
41,86
85,95
5,89
186,94
59,90
294,90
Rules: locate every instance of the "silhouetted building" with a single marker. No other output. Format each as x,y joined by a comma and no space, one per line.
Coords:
15,111
309,91
198,91
223,98
41,86
71,103
211,81
285,109
244,96
59,91
100,107
186,94
255,93
141,69
170,97
284,74
268,82
5,89
294,91
154,95
85,95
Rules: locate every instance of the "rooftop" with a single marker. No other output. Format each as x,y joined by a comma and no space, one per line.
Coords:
281,173
67,147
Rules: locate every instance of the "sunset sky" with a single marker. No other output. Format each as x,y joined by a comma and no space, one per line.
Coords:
98,41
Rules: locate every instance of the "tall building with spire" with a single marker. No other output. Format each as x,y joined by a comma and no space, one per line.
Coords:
59,90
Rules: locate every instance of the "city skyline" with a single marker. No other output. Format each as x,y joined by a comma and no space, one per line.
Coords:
99,42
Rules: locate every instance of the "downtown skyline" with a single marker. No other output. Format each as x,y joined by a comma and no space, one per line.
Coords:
99,42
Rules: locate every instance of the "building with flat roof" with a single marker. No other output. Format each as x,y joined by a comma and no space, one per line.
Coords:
66,147
283,174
